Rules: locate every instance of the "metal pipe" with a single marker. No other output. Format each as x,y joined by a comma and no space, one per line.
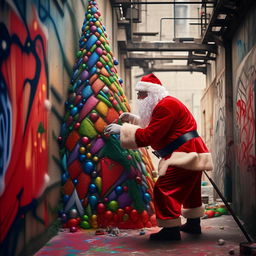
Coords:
174,24
203,2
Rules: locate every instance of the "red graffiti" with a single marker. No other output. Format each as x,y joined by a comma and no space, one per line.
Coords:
24,74
246,124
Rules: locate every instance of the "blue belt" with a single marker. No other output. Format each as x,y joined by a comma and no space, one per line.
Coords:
175,144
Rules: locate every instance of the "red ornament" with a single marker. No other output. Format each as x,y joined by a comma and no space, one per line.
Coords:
127,209
210,213
72,223
134,215
108,215
101,208
77,125
99,65
125,188
94,117
144,217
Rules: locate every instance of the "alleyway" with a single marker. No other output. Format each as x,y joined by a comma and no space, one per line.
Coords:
130,242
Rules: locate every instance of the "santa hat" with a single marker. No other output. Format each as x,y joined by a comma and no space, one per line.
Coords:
149,83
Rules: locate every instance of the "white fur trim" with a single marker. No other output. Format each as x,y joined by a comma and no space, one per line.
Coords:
150,87
193,213
169,223
127,136
190,161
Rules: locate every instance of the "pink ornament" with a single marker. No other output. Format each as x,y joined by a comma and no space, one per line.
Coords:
93,28
114,102
129,157
98,42
85,58
99,50
73,229
138,179
85,140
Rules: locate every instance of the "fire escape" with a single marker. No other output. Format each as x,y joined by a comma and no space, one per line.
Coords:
217,20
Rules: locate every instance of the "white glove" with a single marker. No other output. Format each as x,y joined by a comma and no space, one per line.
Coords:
112,129
129,118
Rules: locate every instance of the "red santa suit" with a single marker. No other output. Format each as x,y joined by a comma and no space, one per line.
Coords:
179,182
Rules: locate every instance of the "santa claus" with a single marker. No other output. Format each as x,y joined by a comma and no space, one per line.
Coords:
165,124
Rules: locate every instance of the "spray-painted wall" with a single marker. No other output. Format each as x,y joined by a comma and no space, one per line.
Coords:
38,42
230,100
244,107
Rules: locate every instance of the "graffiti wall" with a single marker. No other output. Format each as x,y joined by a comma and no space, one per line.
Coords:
219,140
244,105
38,40
244,128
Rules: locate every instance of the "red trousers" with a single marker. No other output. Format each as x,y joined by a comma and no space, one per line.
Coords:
177,188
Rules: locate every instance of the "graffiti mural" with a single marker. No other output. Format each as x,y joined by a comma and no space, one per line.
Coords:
219,133
24,119
29,85
244,138
245,113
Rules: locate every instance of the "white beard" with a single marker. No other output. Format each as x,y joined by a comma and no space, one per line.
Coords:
147,105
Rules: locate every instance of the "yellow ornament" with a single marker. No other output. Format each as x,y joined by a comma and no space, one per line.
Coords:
98,183
82,150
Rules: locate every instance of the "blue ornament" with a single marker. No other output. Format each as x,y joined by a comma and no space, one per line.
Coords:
116,62
75,181
121,81
74,111
88,167
65,198
63,217
147,197
119,190
93,201
80,105
64,177
92,188
82,157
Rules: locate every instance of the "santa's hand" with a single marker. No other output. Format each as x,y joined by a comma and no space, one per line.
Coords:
112,129
129,118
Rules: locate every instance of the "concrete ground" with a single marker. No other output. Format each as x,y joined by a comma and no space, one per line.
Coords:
131,242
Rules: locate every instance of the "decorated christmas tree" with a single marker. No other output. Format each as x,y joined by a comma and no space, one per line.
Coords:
103,184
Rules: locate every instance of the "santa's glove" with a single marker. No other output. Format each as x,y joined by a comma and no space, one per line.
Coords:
128,117
112,129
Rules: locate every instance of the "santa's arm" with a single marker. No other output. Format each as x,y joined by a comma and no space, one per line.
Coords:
132,136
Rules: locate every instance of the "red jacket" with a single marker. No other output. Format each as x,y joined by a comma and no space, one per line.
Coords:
170,119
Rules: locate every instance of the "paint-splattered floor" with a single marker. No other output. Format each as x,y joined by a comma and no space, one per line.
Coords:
130,242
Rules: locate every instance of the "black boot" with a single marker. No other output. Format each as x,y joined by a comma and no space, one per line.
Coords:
168,234
192,226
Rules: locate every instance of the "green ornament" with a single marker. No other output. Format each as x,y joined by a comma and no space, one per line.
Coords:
113,206
79,54
85,224
222,210
85,218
